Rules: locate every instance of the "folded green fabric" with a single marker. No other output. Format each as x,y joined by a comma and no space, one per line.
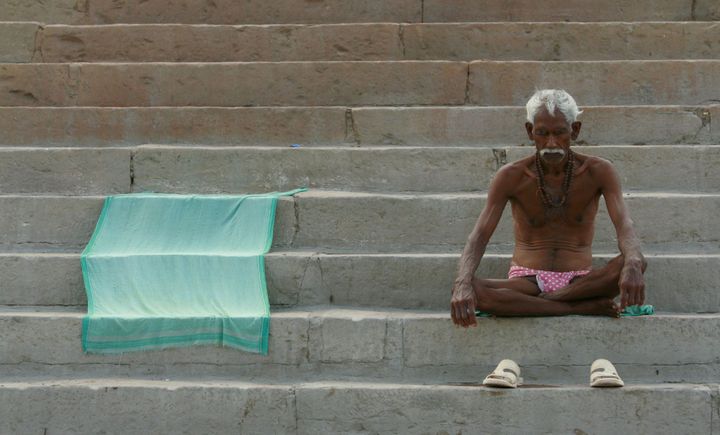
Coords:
638,310
175,270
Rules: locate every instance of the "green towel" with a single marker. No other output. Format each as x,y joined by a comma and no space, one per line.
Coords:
631,311
175,270
638,310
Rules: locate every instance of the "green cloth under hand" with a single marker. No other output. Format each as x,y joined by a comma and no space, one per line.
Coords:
638,310
175,270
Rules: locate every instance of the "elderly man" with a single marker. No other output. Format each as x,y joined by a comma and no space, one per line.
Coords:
554,196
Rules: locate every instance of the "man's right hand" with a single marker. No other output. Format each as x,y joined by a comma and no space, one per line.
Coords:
462,304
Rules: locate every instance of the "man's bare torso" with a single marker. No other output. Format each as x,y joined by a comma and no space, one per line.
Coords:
560,241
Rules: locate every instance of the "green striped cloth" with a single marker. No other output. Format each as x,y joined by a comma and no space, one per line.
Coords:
175,270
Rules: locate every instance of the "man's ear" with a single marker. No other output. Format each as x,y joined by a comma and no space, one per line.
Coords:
575,130
529,128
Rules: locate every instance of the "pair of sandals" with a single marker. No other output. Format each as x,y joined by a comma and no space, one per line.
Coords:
507,375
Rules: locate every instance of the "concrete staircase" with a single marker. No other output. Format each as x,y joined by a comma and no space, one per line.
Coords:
404,110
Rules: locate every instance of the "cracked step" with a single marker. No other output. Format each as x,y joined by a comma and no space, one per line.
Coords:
386,343
485,83
393,280
386,41
335,11
369,222
311,407
207,169
282,126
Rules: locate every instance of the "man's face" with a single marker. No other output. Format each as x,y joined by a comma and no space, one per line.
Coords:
552,135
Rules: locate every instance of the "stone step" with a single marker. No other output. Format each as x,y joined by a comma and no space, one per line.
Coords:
203,169
335,11
327,406
233,84
88,171
487,83
337,42
597,83
386,343
228,11
283,126
675,282
369,222
574,10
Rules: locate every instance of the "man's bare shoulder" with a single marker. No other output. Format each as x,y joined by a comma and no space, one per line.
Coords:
594,166
517,170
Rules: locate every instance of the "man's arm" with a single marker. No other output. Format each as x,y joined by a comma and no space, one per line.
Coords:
632,283
463,303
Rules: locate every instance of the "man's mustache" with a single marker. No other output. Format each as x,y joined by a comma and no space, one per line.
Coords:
552,151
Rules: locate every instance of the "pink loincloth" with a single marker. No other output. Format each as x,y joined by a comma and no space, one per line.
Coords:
547,280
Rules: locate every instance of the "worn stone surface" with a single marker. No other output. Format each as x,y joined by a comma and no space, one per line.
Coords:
715,409
65,171
355,83
500,126
58,342
102,126
559,10
203,43
37,85
708,10
281,84
562,41
405,281
331,342
17,41
694,82
397,344
282,126
216,12
223,406
206,170
233,84
53,223
143,406
41,279
57,11
437,169
389,223
361,222
412,409
453,41
252,12
569,341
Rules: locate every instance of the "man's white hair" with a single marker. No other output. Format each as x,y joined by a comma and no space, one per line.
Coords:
552,99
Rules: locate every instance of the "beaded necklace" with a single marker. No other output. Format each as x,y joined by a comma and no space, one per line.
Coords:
548,202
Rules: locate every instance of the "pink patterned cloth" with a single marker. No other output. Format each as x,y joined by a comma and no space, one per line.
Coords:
547,280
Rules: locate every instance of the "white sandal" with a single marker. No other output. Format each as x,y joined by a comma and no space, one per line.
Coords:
603,374
505,375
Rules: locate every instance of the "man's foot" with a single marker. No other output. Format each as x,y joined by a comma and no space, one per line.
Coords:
596,307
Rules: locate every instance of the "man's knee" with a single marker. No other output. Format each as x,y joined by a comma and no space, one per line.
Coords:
618,263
